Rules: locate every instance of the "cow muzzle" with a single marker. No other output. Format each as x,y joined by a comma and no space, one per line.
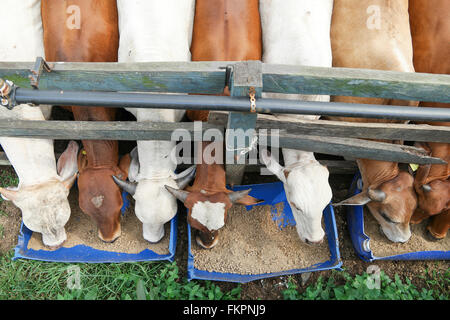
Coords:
207,240
54,240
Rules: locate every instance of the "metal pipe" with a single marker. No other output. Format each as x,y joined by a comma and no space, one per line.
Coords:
226,103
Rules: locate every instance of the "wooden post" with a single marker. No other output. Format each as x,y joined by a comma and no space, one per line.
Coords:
246,77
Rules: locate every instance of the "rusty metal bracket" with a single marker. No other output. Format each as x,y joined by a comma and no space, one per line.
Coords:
36,72
7,94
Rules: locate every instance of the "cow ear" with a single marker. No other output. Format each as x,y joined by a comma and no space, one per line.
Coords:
82,160
421,176
124,165
134,167
272,165
249,201
67,163
357,200
9,194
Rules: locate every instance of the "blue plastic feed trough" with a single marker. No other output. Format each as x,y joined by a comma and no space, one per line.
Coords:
273,193
86,254
361,241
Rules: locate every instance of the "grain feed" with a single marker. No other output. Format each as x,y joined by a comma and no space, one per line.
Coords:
252,243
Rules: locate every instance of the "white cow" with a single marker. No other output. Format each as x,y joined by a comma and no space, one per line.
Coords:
297,32
43,185
151,31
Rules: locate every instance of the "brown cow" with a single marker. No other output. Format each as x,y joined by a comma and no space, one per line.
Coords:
208,199
430,31
226,30
87,31
375,34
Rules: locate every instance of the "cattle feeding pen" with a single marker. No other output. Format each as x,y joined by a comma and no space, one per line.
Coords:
128,85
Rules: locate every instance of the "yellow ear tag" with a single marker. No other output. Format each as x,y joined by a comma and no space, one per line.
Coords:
84,152
414,166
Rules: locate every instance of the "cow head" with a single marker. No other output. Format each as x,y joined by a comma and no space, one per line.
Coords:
392,203
100,197
308,193
45,208
154,205
433,197
208,212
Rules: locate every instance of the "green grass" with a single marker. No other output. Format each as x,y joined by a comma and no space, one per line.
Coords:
32,280
437,287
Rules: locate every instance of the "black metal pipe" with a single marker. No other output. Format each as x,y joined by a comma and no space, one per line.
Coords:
225,103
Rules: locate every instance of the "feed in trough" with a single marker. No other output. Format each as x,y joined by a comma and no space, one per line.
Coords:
81,230
252,243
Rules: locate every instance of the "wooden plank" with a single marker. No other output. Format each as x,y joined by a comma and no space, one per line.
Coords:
357,148
209,77
183,77
388,131
103,130
245,75
356,82
334,166
346,147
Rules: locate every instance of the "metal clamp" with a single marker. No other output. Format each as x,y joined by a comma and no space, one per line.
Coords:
7,94
36,72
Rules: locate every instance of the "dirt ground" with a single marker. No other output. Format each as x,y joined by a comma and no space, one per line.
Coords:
270,288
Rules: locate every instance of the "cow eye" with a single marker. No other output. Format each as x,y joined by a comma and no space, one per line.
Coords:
293,205
386,217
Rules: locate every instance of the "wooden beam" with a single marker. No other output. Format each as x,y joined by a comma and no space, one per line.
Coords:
327,144
356,82
386,131
357,148
104,130
209,77
334,166
183,77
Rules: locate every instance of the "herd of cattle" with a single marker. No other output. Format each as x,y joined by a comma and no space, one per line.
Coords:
400,35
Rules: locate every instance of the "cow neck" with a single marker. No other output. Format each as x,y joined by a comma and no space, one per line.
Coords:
209,177
101,153
33,159
374,172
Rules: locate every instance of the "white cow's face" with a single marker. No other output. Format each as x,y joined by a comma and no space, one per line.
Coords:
44,206
46,210
308,193
154,207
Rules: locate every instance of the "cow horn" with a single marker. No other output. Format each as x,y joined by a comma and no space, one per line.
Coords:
376,195
185,177
177,193
237,195
127,186
426,188
359,199
8,194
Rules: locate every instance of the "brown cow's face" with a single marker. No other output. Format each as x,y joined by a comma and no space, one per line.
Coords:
208,213
101,199
392,204
434,197
395,211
